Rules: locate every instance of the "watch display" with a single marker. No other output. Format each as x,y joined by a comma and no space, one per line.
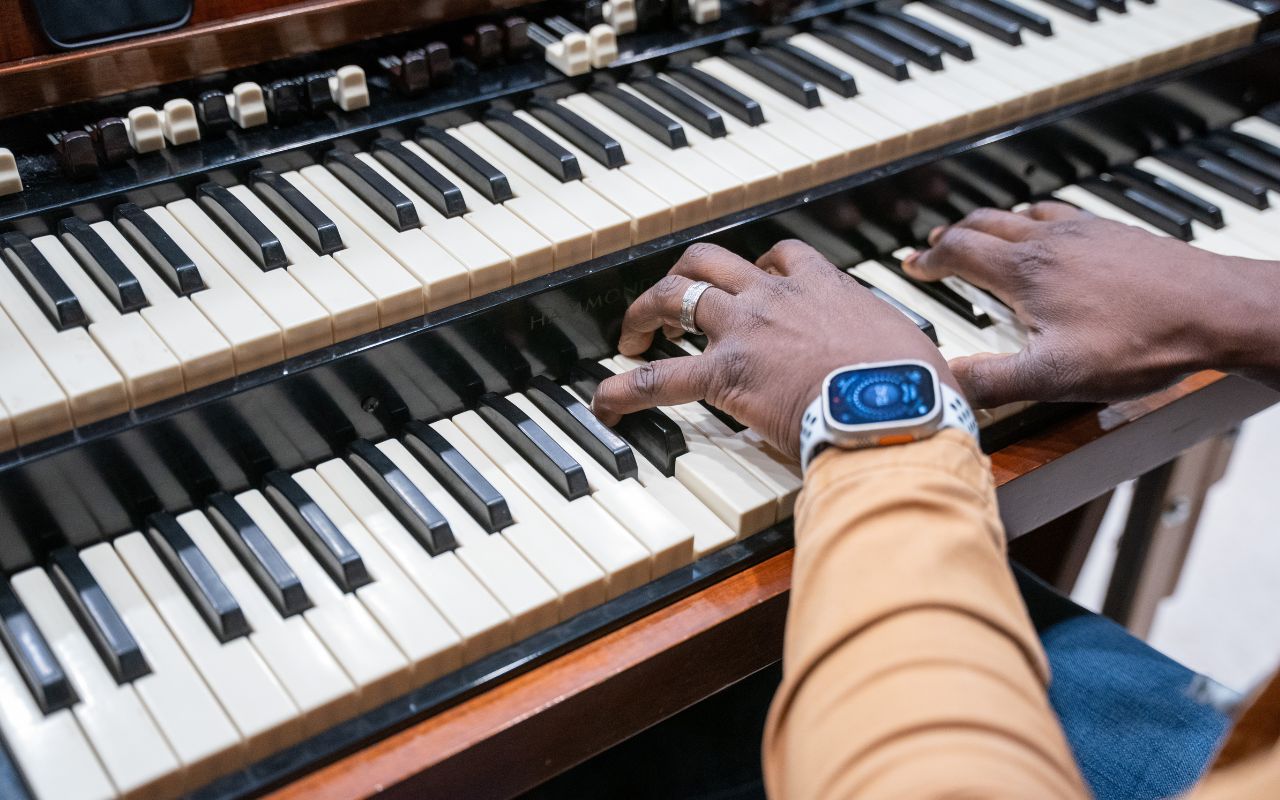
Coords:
890,393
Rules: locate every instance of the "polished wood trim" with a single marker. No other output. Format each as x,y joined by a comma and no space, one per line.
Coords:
223,35
539,724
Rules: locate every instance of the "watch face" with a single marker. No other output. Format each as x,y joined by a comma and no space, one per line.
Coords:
897,393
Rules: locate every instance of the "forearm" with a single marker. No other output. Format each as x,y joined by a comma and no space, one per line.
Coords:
911,668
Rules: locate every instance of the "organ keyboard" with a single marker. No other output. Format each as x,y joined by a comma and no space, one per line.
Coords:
295,441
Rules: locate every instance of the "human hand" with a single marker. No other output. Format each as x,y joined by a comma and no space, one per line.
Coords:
776,329
1112,311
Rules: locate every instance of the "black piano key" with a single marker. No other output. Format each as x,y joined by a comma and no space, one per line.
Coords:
483,44
722,94
867,49
579,424
1029,19
410,72
950,43
920,322
1266,168
663,347
1200,209
296,209
197,577
1084,9
643,115
898,36
162,252
688,108
258,555
443,195
240,224
102,264
540,148
315,92
32,655
1117,6
471,489
469,165
111,138
515,36
389,202
213,111
1146,207
284,100
398,493
982,18
653,433
76,154
42,282
775,75
946,296
1265,148
1221,177
814,68
580,132
530,441
440,60
328,544
99,619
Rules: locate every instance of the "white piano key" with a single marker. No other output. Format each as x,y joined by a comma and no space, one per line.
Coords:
624,561
651,216
35,405
257,339
414,624
349,89
371,260
247,106
192,720
304,322
352,309
1252,224
51,751
178,122
10,178
135,754
610,226
204,353
150,370
259,706
145,134
526,595
666,536
93,388
367,654
480,620
318,686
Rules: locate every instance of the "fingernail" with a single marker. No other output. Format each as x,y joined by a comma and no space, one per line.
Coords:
935,233
911,258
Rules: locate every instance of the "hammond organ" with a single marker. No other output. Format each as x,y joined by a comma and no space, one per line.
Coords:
302,306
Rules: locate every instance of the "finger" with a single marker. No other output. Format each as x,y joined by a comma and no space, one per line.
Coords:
667,382
1052,211
792,257
718,267
659,307
980,258
991,380
1002,224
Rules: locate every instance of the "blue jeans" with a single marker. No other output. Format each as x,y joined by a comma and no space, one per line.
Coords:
1136,721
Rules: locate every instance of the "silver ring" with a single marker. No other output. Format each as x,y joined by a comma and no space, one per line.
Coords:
689,306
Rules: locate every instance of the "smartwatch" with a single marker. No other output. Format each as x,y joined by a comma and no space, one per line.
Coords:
886,403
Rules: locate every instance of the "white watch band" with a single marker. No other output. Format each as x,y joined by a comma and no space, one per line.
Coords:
815,436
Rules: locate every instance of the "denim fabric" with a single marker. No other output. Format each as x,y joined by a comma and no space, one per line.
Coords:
1132,718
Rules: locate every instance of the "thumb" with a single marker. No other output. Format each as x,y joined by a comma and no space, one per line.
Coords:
991,380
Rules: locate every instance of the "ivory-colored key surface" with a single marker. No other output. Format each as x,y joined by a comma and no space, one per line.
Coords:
35,405
204,353
477,616
10,179
413,623
134,753
93,388
178,122
192,720
318,686
303,322
150,370
399,292
247,106
367,654
610,227
256,338
525,594
249,692
349,88
625,562
56,760
145,133
352,309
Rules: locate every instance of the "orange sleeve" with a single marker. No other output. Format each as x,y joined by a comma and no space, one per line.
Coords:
911,669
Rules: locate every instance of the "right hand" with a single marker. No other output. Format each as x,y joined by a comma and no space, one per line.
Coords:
1113,311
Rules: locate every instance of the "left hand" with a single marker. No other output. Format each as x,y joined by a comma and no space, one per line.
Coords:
776,329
